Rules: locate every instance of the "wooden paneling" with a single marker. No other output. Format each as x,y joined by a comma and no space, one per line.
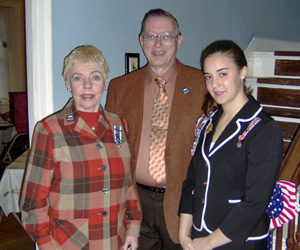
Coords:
291,113
13,236
286,53
290,169
287,67
281,97
279,81
288,129
286,146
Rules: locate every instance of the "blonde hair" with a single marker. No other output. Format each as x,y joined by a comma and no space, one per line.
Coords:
84,54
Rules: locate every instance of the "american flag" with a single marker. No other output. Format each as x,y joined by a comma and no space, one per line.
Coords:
283,206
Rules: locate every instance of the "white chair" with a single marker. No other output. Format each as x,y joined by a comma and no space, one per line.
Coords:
18,144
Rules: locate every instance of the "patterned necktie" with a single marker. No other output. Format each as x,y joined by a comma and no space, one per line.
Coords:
158,134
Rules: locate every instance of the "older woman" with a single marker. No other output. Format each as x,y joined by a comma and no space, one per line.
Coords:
77,192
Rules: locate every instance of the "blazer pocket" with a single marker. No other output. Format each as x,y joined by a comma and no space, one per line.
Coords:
71,234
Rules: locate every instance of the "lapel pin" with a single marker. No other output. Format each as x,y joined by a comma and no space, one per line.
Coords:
252,124
70,118
118,135
185,91
209,128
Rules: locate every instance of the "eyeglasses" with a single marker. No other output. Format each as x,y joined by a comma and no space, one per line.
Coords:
165,38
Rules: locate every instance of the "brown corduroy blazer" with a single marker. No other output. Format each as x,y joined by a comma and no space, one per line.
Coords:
125,98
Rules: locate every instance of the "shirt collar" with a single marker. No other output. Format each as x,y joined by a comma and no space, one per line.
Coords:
169,76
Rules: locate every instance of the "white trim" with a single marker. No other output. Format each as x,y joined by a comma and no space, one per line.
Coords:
234,201
39,60
258,237
238,121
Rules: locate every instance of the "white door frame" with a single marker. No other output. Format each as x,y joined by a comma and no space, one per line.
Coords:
38,15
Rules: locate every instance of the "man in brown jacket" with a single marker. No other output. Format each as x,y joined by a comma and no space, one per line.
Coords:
132,96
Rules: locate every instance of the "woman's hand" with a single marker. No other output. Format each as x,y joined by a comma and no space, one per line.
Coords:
131,243
216,239
202,243
184,231
187,243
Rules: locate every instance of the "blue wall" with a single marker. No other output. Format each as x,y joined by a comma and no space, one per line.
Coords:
113,27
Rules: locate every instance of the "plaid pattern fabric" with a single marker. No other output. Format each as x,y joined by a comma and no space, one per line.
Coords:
77,192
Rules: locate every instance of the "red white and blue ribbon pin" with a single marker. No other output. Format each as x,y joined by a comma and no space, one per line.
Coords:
252,124
118,134
198,127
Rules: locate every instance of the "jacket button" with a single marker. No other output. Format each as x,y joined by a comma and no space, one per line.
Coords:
205,183
104,213
99,145
203,201
104,190
104,167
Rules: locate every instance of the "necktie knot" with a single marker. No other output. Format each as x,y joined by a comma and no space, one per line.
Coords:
161,82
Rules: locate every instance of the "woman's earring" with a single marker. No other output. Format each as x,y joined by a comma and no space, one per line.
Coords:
69,90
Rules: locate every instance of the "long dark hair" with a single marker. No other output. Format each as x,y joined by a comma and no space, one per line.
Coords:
230,49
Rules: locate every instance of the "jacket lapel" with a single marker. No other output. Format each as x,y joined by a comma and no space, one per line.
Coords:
237,125
179,106
229,132
137,101
209,136
73,119
80,126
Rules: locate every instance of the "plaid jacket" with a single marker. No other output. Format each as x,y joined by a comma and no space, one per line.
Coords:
77,192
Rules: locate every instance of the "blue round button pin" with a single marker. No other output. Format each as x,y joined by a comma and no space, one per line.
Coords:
186,91
70,118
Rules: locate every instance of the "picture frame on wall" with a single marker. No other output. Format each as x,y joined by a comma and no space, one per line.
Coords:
132,62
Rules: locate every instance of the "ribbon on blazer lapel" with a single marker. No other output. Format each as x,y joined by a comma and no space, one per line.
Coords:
118,135
252,124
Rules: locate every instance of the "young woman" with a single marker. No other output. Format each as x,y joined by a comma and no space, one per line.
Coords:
237,152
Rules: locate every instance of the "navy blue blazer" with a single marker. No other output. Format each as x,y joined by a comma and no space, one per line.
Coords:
230,185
